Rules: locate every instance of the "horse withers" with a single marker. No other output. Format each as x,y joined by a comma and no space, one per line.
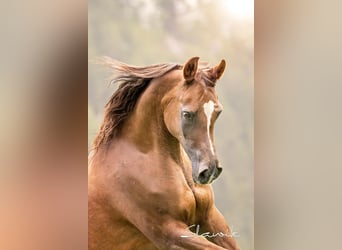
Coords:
153,160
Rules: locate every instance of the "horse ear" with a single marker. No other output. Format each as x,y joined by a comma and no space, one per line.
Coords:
219,69
190,69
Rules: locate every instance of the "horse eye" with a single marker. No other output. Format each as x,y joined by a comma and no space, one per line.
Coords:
187,115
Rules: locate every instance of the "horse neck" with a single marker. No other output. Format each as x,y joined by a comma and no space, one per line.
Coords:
146,128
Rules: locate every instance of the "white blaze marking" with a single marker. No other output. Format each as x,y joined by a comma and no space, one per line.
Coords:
208,110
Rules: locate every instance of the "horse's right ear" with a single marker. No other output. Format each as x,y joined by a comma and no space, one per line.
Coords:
190,69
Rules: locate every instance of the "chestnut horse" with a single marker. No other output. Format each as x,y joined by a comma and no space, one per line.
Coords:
153,160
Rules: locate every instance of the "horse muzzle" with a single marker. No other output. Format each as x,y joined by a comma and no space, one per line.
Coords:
208,175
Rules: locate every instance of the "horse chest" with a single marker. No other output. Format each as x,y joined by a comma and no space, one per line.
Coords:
203,199
195,205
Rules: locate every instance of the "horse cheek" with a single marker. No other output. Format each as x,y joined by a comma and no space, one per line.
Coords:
172,124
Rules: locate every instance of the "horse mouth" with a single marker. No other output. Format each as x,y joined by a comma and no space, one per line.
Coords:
208,176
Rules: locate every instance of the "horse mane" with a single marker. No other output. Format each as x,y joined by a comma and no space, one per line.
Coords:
133,81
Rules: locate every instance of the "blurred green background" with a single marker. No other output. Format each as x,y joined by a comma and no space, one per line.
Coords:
143,32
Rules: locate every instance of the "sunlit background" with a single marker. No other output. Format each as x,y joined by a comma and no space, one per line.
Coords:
143,32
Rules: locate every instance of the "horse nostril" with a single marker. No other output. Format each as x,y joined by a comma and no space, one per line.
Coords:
219,171
202,177
208,175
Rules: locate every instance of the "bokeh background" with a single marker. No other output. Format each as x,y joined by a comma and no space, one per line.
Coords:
43,125
143,32
298,121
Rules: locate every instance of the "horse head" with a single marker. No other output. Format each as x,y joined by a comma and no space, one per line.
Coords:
191,117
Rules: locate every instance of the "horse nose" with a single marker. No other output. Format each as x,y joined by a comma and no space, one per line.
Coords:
208,175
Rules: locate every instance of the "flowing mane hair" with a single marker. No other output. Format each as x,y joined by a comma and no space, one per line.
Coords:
133,81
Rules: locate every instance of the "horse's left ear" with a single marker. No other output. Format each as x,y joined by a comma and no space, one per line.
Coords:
219,69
